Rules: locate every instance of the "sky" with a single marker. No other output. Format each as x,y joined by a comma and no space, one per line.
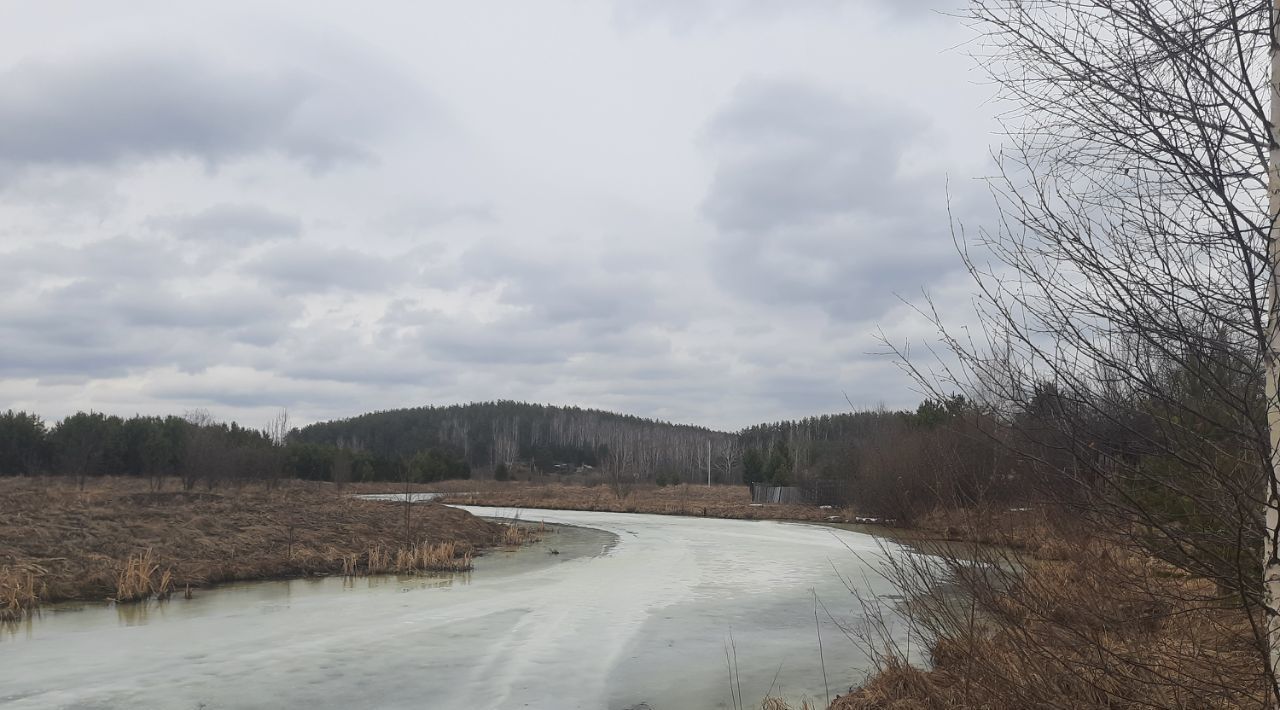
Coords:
704,211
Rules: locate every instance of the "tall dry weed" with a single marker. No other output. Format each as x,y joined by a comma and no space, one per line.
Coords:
141,578
1067,619
18,593
439,557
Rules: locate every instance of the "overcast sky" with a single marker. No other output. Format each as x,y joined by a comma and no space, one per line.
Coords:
688,209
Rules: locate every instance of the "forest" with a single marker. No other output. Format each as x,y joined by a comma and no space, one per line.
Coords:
879,460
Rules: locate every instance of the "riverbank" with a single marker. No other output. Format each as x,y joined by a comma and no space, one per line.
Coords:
1029,608
731,502
118,539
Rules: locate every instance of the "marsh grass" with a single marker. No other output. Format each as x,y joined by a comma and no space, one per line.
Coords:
516,533
19,594
120,539
1057,616
141,578
446,556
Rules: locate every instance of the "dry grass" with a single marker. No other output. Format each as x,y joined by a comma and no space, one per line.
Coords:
1078,620
438,557
517,533
18,593
141,579
117,539
684,499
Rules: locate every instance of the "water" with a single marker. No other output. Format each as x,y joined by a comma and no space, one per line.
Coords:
634,609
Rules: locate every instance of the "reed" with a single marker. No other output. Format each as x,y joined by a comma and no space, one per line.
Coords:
517,534
18,596
141,578
439,557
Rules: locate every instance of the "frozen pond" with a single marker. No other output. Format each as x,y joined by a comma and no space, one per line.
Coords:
634,609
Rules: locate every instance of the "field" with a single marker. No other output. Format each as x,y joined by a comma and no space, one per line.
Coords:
684,499
118,539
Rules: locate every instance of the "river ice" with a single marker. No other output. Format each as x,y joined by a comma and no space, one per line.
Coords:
635,609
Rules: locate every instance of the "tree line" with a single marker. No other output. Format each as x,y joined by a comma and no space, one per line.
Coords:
541,439
200,451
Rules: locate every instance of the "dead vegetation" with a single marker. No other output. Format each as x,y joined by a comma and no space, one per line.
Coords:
1060,617
118,539
438,557
683,499
18,593
141,578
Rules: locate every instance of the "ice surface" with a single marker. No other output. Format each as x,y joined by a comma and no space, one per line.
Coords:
635,609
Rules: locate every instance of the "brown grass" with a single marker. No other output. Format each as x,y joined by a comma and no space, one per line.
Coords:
117,539
18,593
684,499
141,578
438,557
1081,620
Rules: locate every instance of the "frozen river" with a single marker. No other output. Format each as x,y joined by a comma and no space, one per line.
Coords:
634,609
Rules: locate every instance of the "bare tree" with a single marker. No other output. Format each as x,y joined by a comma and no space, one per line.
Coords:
619,469
1128,292
277,429
728,459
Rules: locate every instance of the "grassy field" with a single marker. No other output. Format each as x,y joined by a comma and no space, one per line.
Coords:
117,539
684,499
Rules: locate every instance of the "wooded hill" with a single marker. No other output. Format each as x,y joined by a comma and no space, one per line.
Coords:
542,438
483,439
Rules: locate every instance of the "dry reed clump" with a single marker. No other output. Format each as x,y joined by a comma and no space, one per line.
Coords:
141,578
516,534
1095,625
438,557
18,593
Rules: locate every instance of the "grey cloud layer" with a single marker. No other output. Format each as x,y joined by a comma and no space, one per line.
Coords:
229,223
812,203
138,105
363,210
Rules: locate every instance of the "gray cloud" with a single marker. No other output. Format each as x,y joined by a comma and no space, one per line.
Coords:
511,340
140,105
300,268
684,15
790,154
599,293
421,217
813,205
251,394
230,208
117,258
101,329
229,224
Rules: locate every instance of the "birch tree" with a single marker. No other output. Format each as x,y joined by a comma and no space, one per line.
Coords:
1131,273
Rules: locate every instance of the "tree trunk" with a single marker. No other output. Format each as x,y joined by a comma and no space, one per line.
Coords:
1271,562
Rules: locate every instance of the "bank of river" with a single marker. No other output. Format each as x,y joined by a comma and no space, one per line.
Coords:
633,609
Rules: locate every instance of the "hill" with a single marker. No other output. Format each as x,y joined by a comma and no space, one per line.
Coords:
543,438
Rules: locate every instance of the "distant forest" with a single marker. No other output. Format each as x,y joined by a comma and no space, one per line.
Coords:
838,455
